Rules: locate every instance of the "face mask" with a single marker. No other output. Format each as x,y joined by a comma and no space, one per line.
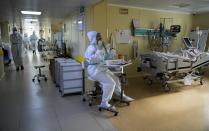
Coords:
15,32
99,45
99,42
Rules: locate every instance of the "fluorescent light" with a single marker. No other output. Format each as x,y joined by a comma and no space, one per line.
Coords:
31,13
31,20
80,22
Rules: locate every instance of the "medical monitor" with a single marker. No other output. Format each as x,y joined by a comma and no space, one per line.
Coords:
187,42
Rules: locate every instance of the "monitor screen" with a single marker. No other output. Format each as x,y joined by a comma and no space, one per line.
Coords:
187,42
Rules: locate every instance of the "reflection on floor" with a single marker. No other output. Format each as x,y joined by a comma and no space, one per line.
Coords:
182,109
28,106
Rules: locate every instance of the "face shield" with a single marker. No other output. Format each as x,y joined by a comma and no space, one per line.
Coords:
99,41
99,37
14,30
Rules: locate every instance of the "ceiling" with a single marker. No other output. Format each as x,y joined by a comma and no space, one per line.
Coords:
188,6
51,9
57,9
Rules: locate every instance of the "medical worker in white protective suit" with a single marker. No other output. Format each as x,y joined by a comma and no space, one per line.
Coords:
26,42
110,83
17,46
33,41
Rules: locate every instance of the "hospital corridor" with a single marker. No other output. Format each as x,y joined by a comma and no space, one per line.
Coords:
104,65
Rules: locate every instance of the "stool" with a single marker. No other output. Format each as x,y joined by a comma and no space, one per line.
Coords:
97,93
39,75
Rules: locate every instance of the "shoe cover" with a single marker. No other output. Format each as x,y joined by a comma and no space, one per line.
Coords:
127,98
106,105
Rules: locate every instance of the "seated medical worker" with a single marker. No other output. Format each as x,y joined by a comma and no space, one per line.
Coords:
95,55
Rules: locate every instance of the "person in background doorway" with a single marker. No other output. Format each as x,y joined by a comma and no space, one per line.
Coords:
33,41
17,45
41,44
26,42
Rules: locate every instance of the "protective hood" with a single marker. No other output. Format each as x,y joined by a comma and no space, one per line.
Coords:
92,36
14,29
33,35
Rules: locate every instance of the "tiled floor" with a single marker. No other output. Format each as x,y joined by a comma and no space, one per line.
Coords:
28,106
185,108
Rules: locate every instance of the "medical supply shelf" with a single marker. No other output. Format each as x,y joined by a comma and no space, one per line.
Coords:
58,61
69,78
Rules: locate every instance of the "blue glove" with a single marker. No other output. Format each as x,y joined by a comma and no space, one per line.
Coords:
106,56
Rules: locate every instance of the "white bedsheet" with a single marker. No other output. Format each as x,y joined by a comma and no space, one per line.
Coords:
158,62
190,54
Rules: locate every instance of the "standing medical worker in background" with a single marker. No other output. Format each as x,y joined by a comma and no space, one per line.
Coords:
33,41
17,45
26,42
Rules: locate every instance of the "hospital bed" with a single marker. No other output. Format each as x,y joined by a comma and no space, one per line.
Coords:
179,66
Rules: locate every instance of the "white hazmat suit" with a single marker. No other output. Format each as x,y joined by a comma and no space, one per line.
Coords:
26,41
98,72
33,41
17,45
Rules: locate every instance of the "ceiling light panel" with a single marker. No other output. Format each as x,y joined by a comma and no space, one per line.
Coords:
31,12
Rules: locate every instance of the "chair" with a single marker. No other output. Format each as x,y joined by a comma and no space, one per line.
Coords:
96,93
39,75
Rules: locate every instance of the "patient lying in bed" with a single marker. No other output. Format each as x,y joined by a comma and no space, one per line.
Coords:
189,54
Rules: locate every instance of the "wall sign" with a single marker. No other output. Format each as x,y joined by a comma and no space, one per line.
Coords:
123,11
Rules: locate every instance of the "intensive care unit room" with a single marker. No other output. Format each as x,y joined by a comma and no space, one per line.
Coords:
104,65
